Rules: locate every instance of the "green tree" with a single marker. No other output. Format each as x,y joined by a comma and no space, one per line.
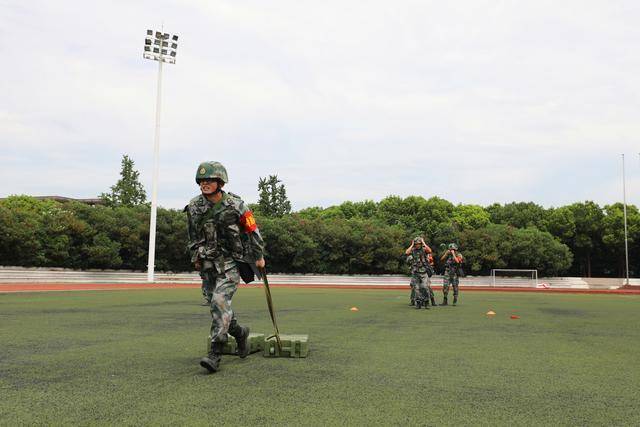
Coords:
537,249
613,233
98,244
171,243
393,210
128,191
435,216
366,209
504,246
291,246
313,212
20,242
299,244
519,214
131,230
56,227
588,218
415,214
485,248
102,252
273,201
470,216
561,223
579,226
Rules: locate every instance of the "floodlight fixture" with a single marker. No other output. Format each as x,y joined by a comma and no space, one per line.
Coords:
162,53
165,51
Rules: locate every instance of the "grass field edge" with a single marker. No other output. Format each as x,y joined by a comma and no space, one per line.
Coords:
68,287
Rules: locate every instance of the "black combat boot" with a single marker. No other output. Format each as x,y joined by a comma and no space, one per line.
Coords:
418,304
241,334
211,362
432,297
455,299
444,301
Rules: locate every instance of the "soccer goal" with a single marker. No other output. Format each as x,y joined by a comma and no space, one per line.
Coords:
510,277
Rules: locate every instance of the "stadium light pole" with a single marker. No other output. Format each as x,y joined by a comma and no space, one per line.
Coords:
626,243
162,47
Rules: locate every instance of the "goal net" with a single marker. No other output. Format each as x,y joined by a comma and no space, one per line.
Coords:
510,277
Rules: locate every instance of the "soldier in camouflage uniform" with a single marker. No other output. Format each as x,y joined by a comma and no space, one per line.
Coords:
420,259
222,236
412,283
452,270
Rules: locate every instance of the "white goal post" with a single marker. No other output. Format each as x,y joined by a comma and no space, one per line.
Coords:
514,277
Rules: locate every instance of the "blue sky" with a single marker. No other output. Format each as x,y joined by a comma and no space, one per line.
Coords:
473,101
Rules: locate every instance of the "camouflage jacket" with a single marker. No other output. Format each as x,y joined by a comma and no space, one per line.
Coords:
420,261
222,231
453,268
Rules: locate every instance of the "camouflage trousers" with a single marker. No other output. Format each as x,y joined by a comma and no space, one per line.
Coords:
450,280
421,287
207,288
220,290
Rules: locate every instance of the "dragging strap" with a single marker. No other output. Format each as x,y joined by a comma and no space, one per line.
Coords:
272,313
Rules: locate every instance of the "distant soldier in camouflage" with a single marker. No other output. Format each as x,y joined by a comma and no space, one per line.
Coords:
223,238
421,261
452,271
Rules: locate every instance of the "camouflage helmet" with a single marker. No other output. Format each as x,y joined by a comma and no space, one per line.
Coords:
211,170
453,246
417,240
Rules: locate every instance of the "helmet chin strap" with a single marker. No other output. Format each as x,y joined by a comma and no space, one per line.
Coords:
219,185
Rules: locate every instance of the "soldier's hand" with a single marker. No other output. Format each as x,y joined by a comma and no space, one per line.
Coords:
197,265
260,263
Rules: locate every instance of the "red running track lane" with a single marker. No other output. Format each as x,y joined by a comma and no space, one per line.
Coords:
48,287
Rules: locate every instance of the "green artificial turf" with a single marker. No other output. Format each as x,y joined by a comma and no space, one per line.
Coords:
131,358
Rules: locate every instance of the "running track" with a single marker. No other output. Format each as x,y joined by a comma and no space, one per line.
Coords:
49,287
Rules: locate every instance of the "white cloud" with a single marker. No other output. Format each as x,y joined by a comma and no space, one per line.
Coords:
475,101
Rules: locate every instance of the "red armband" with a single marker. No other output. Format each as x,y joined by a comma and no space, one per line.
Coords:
248,222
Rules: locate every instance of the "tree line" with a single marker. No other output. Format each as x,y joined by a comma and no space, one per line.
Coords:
366,237
582,239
